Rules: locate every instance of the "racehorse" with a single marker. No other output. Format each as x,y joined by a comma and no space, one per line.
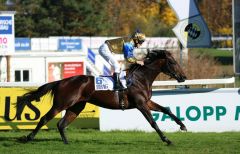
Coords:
72,94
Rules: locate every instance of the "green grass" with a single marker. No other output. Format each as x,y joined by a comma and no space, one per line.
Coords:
93,141
213,52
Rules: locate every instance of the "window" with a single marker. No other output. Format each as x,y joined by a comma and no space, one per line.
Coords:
25,75
17,76
22,75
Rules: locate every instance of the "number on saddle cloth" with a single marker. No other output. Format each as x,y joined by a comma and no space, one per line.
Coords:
106,82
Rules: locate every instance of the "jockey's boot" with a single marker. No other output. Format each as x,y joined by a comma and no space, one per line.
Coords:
117,83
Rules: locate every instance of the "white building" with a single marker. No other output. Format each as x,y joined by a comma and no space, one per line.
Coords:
43,60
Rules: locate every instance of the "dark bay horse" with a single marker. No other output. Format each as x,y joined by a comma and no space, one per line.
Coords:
72,94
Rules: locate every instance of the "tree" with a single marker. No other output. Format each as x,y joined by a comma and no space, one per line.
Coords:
218,15
2,5
126,16
43,18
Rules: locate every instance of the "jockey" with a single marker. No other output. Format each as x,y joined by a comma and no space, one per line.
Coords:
125,45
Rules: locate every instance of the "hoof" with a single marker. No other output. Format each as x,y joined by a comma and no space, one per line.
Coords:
168,142
23,139
183,128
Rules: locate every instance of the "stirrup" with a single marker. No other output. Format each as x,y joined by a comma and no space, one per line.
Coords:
117,83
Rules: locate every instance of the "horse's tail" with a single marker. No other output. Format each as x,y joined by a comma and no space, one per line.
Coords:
35,95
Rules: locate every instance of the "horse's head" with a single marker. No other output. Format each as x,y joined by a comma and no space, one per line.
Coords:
163,61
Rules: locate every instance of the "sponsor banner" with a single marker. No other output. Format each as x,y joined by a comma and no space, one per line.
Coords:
184,8
22,44
69,44
201,110
6,25
61,70
72,69
191,30
7,34
31,113
54,71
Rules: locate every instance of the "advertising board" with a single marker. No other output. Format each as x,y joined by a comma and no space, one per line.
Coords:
22,44
32,113
7,34
61,70
69,44
191,30
201,110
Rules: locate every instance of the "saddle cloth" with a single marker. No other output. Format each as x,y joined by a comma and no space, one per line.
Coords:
106,82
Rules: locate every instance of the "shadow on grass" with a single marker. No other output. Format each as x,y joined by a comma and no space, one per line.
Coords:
4,139
224,60
118,142
23,139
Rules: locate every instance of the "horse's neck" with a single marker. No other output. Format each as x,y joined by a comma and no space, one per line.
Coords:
150,75
143,74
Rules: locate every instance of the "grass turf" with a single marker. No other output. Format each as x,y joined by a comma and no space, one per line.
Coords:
93,141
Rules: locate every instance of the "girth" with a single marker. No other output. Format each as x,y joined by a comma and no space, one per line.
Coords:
121,98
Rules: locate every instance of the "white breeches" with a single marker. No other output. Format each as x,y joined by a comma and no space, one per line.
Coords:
109,57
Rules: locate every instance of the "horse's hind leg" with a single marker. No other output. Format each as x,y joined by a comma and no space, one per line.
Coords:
70,115
47,117
156,107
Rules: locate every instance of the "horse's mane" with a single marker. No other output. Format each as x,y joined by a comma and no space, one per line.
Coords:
152,55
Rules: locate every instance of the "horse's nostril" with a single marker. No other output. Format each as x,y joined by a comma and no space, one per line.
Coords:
181,78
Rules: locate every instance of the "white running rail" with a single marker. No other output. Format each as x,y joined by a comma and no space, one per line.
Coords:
195,82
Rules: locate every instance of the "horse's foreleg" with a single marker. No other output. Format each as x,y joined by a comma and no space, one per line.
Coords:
156,107
70,115
147,114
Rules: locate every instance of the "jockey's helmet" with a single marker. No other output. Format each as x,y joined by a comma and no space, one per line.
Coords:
138,38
